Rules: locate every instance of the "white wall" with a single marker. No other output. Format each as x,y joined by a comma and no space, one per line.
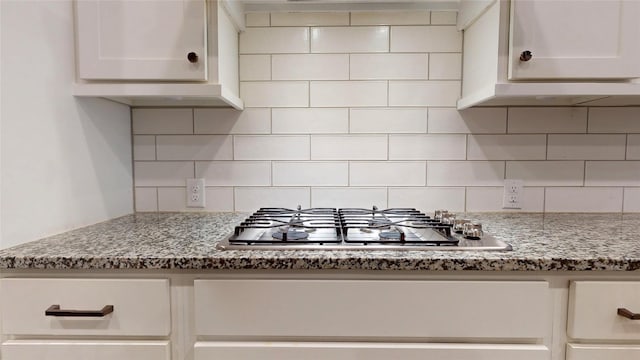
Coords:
66,162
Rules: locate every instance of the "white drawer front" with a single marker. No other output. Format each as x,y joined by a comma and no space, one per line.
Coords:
593,310
368,351
602,352
141,307
85,350
336,308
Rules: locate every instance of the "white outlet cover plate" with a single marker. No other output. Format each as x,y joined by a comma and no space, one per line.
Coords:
513,192
195,193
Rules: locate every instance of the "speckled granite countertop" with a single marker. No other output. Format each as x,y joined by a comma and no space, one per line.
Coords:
547,242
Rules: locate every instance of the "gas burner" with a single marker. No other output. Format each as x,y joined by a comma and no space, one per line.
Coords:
290,234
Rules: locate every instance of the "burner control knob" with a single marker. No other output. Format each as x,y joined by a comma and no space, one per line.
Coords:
458,225
448,218
472,231
438,214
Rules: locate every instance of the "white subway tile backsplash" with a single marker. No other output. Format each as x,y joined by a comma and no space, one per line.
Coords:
507,147
428,199
388,173
310,120
612,173
444,17
547,173
633,147
175,199
474,120
234,173
586,147
427,147
583,199
465,173
631,200
311,67
349,147
386,120
309,18
194,147
257,19
445,66
232,121
144,147
431,39
162,121
314,173
275,93
255,67
348,93
389,66
423,93
146,199
162,173
271,147
416,17
614,120
266,40
548,120
251,199
349,197
490,199
350,39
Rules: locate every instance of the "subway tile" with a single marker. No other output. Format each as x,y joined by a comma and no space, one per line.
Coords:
387,173
146,199
633,147
465,173
349,197
251,199
586,147
234,173
162,173
631,200
612,173
427,147
310,121
266,40
428,199
144,147
350,39
364,120
310,173
614,119
175,199
507,147
444,17
432,39
389,66
275,93
255,67
162,121
445,66
583,199
271,147
194,147
309,18
257,19
231,121
490,199
349,147
547,173
474,120
547,120
415,17
311,67
423,93
348,93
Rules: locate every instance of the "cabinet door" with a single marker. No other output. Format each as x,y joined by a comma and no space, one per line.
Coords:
85,349
575,39
141,40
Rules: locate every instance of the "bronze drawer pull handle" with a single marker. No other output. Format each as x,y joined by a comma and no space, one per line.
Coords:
628,314
54,310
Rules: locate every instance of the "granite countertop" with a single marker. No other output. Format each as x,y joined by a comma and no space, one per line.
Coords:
541,242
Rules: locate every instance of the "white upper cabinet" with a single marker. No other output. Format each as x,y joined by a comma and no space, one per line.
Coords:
574,39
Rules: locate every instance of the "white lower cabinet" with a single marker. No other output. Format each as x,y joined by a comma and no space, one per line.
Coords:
603,352
85,350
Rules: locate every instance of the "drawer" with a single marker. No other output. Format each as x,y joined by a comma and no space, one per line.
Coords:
368,351
140,306
354,308
593,309
600,352
83,350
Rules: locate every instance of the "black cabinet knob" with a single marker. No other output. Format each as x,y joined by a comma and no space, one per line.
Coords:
526,55
192,57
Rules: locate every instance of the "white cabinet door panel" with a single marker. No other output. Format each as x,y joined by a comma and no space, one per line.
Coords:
601,352
85,350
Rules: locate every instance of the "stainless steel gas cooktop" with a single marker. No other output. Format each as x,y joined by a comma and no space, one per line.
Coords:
358,229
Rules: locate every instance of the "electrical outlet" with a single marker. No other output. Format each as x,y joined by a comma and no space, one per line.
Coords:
512,198
195,193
